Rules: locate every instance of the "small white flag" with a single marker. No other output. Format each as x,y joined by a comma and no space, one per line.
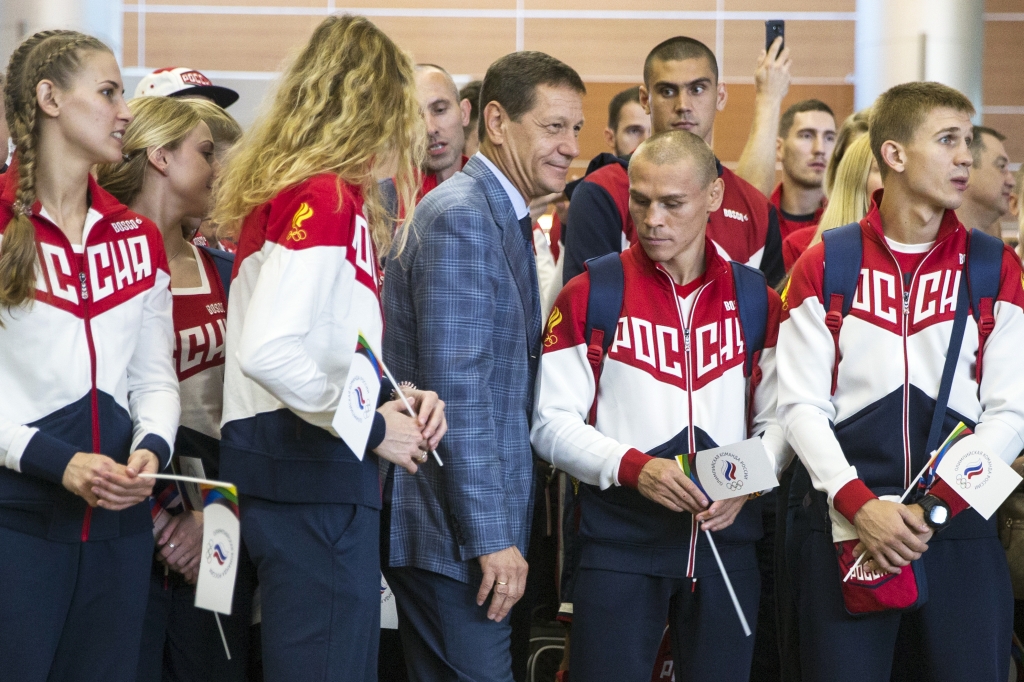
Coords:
734,470
222,542
982,480
353,419
388,610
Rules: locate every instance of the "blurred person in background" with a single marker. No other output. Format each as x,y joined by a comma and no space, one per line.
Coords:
628,123
857,179
446,116
990,189
807,136
470,92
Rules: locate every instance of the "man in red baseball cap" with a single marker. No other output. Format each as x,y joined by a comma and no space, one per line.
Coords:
180,81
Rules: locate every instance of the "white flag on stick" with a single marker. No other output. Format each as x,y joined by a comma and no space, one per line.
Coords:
983,480
353,419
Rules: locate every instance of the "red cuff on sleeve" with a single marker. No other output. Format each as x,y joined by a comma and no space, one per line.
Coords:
630,465
942,491
851,497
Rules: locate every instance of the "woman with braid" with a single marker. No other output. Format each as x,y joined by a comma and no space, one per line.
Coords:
89,397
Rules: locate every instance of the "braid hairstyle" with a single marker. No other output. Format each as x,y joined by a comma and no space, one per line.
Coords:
47,55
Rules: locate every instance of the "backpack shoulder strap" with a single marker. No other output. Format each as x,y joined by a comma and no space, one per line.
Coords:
752,307
607,288
843,254
984,268
225,263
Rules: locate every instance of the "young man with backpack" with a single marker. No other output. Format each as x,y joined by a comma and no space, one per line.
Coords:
895,330
665,349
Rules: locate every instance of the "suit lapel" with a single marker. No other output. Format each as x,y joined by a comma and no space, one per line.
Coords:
519,256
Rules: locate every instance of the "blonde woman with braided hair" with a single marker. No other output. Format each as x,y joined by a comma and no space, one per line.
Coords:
302,184
89,399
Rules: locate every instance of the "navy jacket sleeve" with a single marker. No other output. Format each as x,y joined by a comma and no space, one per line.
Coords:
594,228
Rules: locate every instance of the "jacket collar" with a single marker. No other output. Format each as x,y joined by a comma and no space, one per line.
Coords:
872,222
714,264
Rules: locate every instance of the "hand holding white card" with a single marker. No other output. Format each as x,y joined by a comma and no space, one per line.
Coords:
735,470
983,480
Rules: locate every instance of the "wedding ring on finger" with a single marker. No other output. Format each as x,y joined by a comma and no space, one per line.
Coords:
171,545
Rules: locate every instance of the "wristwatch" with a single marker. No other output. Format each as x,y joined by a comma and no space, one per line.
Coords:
936,512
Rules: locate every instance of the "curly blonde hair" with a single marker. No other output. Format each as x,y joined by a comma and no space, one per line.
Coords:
347,105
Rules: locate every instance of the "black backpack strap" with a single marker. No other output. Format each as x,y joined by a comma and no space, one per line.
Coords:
843,254
225,263
607,288
984,269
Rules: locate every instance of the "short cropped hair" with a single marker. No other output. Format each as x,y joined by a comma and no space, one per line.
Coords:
673,146
786,122
620,100
451,81
899,112
978,144
471,91
677,49
512,82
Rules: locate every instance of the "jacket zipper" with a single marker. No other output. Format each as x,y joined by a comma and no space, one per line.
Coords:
691,559
905,295
94,392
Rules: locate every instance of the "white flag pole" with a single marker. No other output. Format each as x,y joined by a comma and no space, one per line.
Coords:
728,585
405,401
906,492
223,639
187,479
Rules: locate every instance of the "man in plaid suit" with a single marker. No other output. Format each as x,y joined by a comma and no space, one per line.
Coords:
462,314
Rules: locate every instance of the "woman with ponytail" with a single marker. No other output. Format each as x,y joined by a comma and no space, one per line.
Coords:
88,396
302,185
167,172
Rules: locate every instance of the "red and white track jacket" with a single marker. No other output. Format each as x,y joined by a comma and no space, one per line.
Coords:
892,348
672,383
306,282
86,367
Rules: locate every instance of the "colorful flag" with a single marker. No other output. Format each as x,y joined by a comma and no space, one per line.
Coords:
354,416
955,436
688,464
218,564
981,479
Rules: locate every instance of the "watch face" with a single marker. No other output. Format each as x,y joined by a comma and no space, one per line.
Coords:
938,514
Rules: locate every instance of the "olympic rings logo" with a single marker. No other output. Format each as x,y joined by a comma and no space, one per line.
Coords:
734,485
963,482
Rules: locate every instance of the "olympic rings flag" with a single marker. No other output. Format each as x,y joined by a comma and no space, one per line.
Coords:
982,479
354,416
731,471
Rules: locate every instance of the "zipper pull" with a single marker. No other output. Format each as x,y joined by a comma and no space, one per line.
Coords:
686,340
906,303
85,289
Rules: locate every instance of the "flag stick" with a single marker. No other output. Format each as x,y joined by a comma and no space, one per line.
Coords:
187,479
223,639
906,492
728,585
405,401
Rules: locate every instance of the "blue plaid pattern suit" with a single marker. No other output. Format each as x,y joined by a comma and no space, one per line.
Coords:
462,316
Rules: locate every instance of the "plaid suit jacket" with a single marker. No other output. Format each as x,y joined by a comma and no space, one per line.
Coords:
462,318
